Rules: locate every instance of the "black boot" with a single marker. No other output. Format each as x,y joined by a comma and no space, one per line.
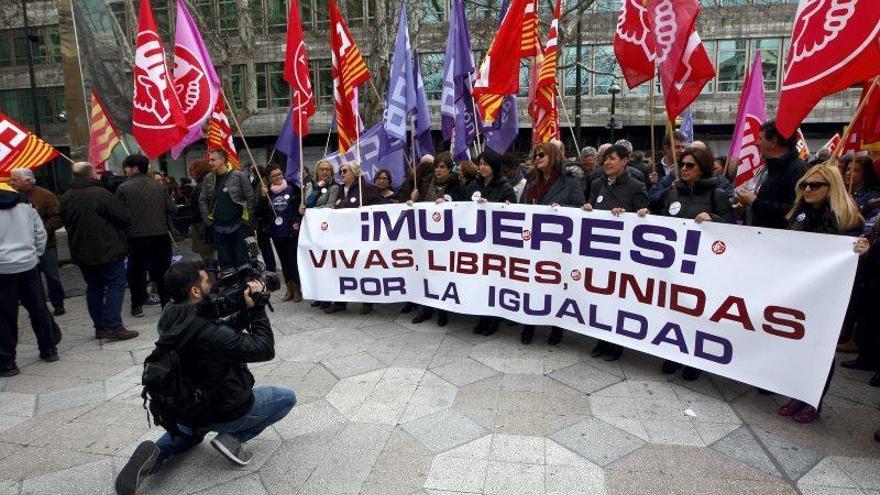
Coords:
408,307
491,326
424,314
555,336
601,348
442,318
528,332
614,352
690,374
670,367
481,324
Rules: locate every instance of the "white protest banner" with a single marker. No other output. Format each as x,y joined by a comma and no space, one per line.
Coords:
760,306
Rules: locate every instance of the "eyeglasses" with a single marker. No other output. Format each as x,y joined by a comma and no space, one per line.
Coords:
813,186
687,165
343,171
540,154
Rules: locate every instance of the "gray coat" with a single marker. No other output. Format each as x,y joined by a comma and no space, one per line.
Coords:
566,191
240,190
148,205
324,199
626,193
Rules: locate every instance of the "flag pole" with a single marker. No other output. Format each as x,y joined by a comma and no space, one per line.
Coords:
246,147
302,183
671,125
412,124
568,118
651,119
357,153
64,156
839,148
329,133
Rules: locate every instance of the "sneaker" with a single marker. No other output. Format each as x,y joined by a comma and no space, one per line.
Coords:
59,311
137,311
232,449
5,372
120,333
139,466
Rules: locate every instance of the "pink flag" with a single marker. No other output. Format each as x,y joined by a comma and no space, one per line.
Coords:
752,113
195,81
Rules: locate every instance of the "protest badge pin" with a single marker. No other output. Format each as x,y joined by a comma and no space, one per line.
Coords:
599,199
323,190
353,200
279,221
287,196
225,190
800,218
476,195
447,197
675,208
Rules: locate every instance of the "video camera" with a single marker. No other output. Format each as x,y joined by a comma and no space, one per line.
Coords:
226,305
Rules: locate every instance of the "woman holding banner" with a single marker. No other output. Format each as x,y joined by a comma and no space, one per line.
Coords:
321,193
490,186
438,187
695,194
284,227
354,193
617,192
382,181
823,206
550,184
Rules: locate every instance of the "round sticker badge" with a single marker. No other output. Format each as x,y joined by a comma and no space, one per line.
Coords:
279,221
225,190
353,200
675,208
447,197
476,195
599,199
323,190
800,218
287,196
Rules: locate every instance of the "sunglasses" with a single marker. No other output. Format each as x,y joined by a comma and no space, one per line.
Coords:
687,165
813,186
343,171
540,154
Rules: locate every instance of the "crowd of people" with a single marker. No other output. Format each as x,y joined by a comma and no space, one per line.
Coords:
120,234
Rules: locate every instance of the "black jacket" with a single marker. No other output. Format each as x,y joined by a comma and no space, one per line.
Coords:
705,196
566,191
818,220
776,194
148,205
352,199
95,221
453,189
497,191
215,359
626,193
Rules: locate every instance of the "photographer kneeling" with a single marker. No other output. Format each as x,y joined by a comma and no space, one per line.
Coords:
209,379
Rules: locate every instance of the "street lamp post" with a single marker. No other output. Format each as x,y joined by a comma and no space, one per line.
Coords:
614,90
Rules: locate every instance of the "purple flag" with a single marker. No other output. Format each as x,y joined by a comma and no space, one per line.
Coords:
501,134
456,103
195,81
288,143
401,99
377,151
422,118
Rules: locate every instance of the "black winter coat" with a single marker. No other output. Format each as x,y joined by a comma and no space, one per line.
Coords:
818,220
216,358
95,221
352,199
453,190
626,193
776,194
497,191
686,202
566,191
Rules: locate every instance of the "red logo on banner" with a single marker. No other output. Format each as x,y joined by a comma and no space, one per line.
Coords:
718,247
576,275
526,234
324,226
436,216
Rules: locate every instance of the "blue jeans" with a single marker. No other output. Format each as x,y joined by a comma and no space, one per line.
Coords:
271,404
105,290
49,268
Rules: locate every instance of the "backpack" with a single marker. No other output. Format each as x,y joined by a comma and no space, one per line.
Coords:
171,396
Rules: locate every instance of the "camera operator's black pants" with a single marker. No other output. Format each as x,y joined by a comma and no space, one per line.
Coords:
148,254
27,288
231,248
286,247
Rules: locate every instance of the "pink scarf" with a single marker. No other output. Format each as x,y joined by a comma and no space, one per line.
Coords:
279,188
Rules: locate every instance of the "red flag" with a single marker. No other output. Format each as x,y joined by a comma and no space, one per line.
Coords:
220,134
157,120
832,143
680,55
801,146
833,46
102,135
542,97
21,149
634,42
349,72
296,70
499,73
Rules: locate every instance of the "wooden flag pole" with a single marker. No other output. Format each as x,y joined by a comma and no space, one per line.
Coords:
839,148
671,125
246,147
302,182
651,121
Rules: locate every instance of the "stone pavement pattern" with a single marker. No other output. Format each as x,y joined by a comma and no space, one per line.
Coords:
390,408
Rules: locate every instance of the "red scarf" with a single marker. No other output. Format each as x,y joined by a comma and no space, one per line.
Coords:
540,187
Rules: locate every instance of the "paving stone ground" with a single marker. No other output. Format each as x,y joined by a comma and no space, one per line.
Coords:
386,407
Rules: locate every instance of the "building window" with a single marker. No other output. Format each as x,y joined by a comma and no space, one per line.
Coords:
432,10
524,77
228,14
17,104
47,49
276,16
359,12
569,54
14,46
163,16
322,80
272,90
731,65
607,5
711,47
237,85
604,63
483,9
432,74
769,60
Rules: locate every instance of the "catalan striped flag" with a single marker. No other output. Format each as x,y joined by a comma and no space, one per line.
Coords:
102,135
349,72
542,104
220,134
499,73
19,148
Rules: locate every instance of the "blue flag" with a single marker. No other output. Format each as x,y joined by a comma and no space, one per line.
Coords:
501,134
401,99
377,151
687,126
288,143
458,121
422,118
